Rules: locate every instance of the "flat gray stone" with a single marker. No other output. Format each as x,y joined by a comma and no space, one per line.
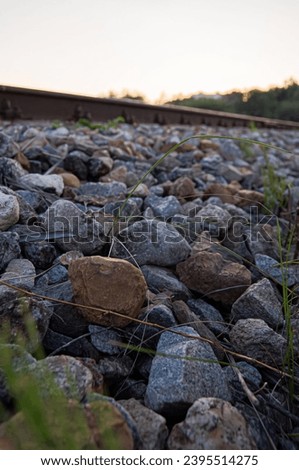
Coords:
175,383
151,242
270,266
259,301
104,338
48,183
208,314
115,190
72,229
162,279
164,207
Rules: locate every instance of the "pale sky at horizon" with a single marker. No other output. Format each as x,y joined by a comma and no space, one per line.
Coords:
148,46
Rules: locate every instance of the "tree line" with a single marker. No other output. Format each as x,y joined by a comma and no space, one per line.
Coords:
276,103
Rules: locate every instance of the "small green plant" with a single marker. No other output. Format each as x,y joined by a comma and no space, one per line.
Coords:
247,150
56,124
252,126
111,124
287,301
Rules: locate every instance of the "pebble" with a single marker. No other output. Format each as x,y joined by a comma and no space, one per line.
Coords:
215,215
70,180
115,369
211,275
259,301
151,426
9,248
57,274
255,339
211,424
104,191
105,339
20,273
163,280
151,242
184,189
9,211
271,267
73,229
163,207
126,424
41,254
66,319
28,319
209,315
185,316
10,170
158,314
111,285
48,183
8,148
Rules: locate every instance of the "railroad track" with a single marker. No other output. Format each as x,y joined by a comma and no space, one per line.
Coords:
28,104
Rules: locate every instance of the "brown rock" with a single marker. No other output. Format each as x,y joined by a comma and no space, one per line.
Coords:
117,174
110,285
186,147
141,190
211,424
247,197
206,144
70,180
210,274
184,188
23,160
224,192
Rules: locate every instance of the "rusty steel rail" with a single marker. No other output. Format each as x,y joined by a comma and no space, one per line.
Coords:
23,103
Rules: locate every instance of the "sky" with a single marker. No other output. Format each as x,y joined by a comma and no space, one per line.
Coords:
158,48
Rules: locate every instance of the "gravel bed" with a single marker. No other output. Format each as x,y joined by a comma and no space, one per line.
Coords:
167,317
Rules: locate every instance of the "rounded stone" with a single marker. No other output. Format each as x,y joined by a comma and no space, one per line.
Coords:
113,287
9,211
48,183
70,180
211,423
